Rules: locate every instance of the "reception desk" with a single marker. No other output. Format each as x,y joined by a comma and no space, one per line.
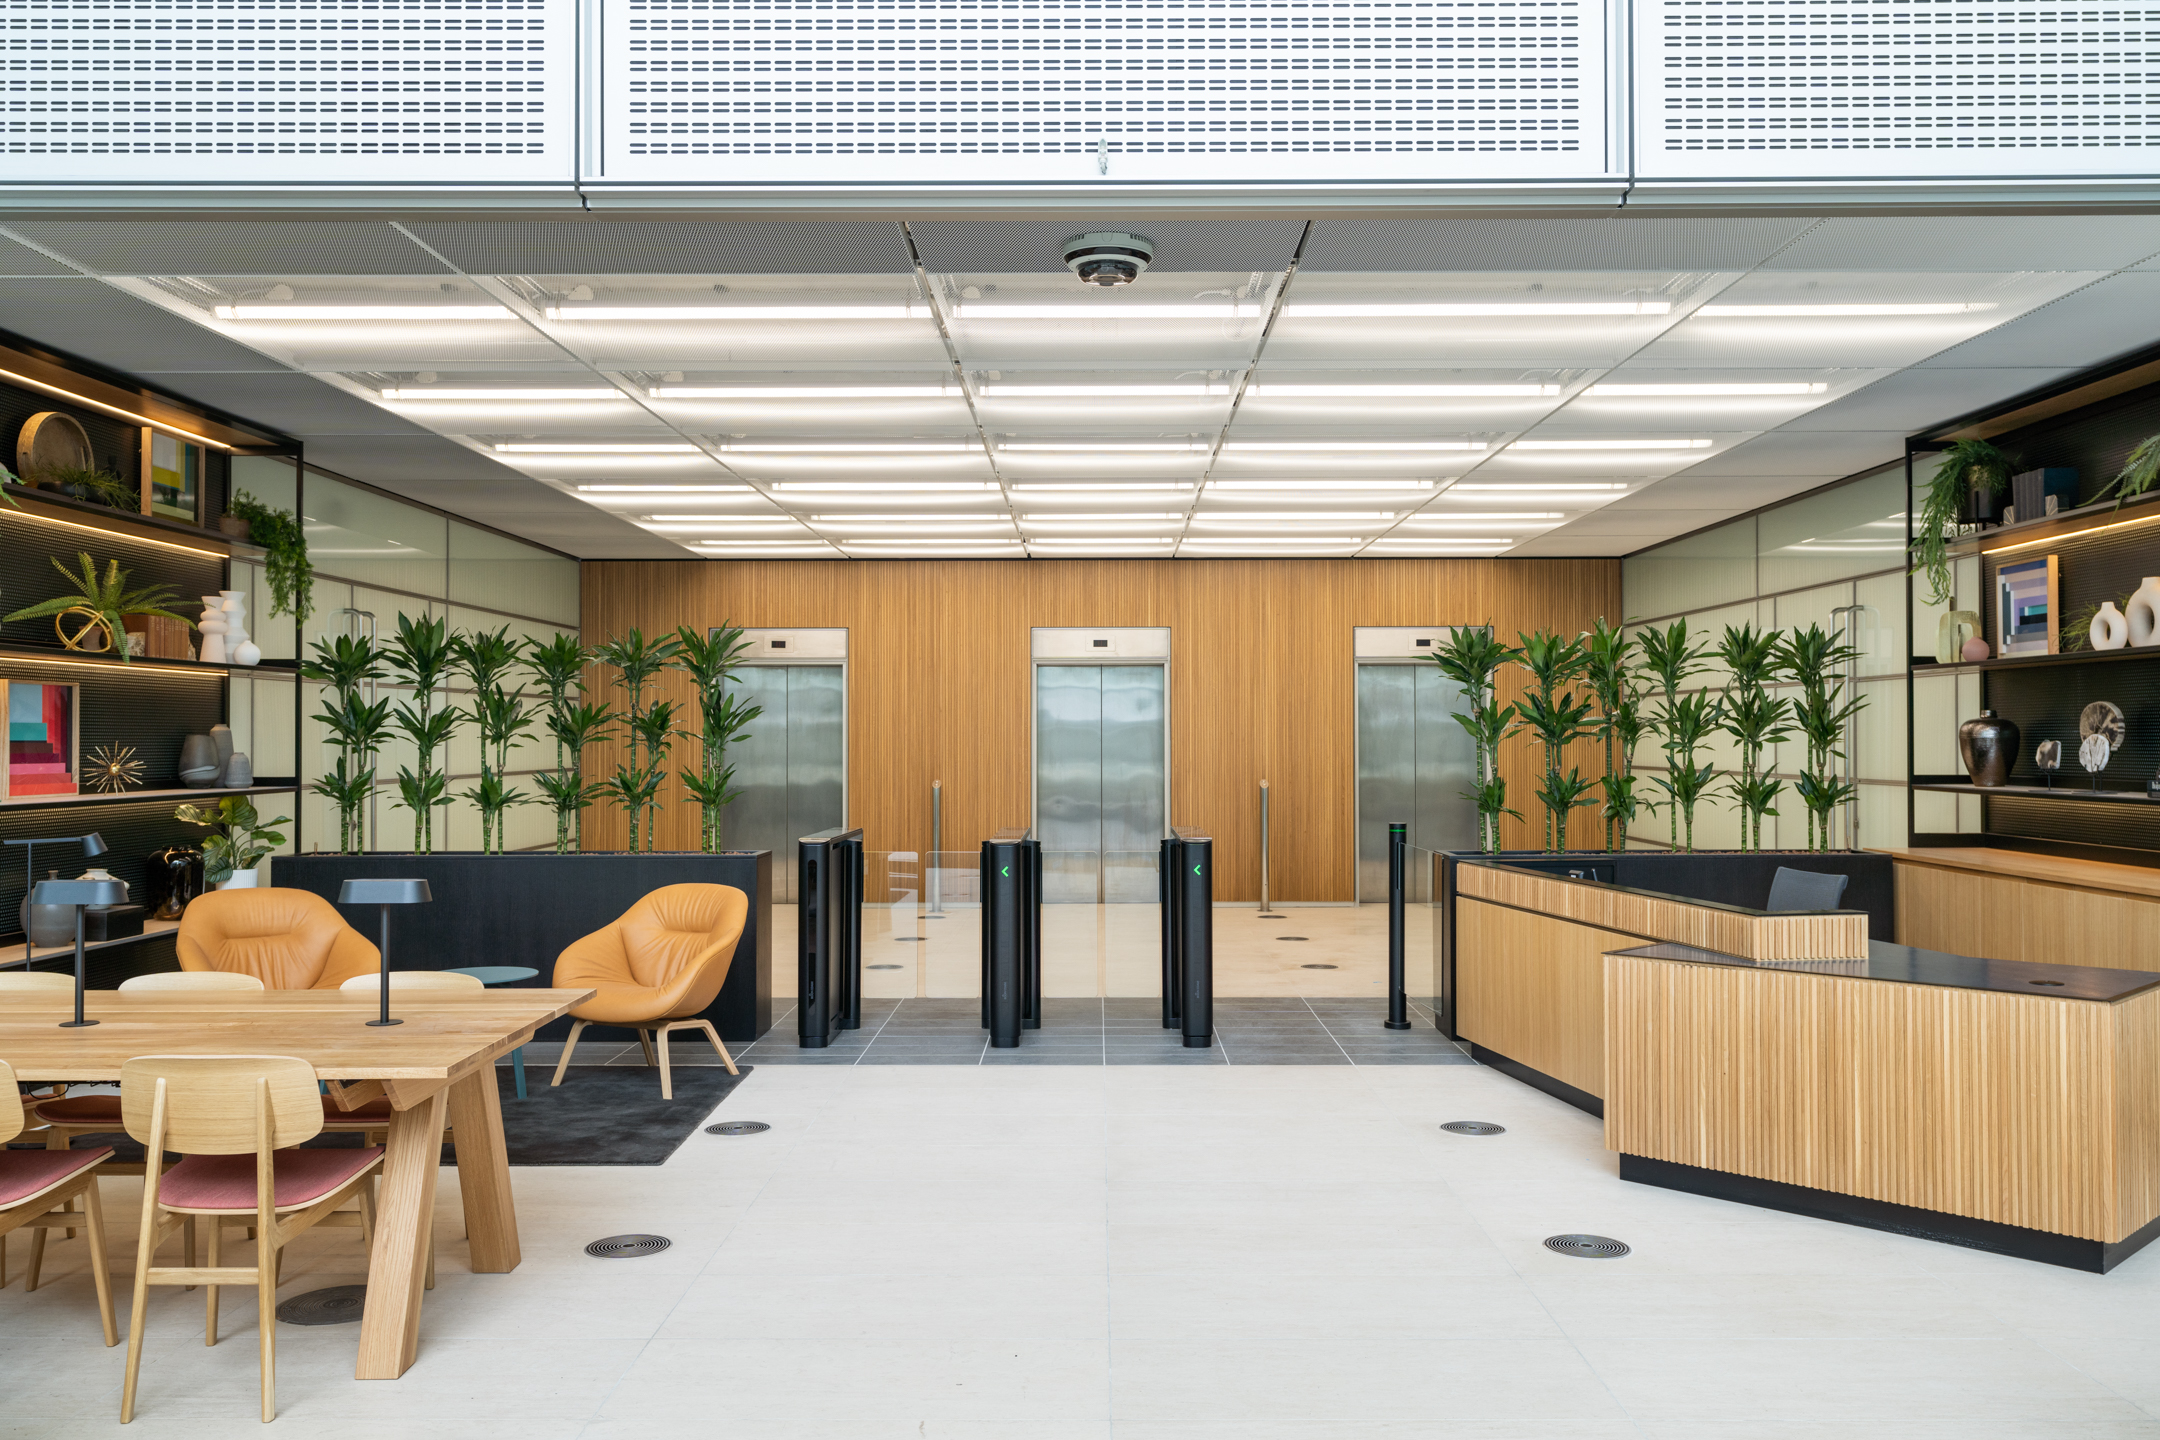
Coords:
2017,905
1789,1061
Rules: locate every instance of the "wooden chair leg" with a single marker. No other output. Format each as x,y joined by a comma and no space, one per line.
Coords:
644,1040
429,1283
100,1265
577,1028
37,1260
266,1267
367,1212
211,1245
667,1081
714,1036
145,1253
187,1244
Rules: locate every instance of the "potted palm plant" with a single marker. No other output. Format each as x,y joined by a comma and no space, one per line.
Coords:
1669,661
574,722
723,718
635,785
358,727
1608,669
420,656
486,657
1755,719
1813,657
100,604
1471,656
1557,717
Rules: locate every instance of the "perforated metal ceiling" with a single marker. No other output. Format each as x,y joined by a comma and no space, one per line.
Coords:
668,247
234,247
1018,247
1618,243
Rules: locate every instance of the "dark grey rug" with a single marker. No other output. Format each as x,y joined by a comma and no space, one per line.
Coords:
600,1115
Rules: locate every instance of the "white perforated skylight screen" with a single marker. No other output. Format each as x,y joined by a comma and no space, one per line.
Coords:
1172,89
1878,87
292,90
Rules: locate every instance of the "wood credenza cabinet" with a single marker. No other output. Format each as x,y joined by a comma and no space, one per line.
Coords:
2011,905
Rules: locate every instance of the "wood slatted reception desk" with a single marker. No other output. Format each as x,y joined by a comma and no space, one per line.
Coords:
2020,905
1529,952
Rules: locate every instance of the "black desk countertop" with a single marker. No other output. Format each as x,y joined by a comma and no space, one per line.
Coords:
1908,965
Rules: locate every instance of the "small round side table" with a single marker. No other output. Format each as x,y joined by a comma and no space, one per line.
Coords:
503,975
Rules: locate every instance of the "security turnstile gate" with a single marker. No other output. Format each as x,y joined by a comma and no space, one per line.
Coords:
1011,936
1186,880
828,936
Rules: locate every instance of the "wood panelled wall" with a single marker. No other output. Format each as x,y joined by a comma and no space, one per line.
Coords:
1261,682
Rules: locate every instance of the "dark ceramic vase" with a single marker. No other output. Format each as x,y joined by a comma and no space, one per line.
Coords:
175,878
48,924
1988,746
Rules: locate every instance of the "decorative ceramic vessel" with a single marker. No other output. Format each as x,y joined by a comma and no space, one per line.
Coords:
238,647
247,652
99,872
212,626
1975,649
239,773
238,880
199,766
2109,630
48,924
1988,745
2143,613
175,879
1952,631
221,736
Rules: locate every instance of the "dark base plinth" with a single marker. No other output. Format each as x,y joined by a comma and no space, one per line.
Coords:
2068,1251
1538,1080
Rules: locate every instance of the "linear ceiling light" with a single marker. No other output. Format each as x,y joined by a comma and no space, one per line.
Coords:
1140,491
1105,392
1109,311
1097,517
943,447
1612,445
1483,517
661,489
995,529
807,543
364,312
1539,487
1131,541
1446,540
430,392
1273,391
1556,308
737,312
1768,387
884,487
1353,447
1276,540
551,447
1151,447
1221,515
1232,486
803,392
1831,311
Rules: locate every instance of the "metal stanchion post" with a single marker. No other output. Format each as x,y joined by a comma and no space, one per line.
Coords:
1267,910
1398,853
937,841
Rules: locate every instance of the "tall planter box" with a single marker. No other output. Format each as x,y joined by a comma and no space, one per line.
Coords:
526,908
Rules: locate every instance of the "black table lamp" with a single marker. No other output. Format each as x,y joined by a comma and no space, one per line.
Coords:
79,893
92,844
384,893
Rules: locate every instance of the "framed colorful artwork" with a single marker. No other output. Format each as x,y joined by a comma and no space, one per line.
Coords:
172,477
2025,608
43,740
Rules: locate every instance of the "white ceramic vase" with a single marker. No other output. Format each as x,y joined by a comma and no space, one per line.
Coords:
238,647
212,626
241,880
2143,613
2109,629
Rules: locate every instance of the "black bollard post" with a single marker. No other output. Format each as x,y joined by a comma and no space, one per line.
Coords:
1196,938
1005,867
1398,852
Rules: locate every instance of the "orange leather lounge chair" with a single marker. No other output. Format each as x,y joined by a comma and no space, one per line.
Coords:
288,939
656,968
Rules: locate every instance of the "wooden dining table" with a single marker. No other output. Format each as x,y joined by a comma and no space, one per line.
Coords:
436,1068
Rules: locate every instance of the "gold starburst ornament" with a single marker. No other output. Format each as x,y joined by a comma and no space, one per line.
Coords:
112,768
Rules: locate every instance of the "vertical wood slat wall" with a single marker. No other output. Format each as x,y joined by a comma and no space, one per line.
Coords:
1261,682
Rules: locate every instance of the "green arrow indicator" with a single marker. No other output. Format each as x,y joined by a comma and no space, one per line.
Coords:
1196,869
1006,870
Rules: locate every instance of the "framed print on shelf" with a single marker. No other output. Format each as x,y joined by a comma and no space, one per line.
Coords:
172,477
2025,608
43,740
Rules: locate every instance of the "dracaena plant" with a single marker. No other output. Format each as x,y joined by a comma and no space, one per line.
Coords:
1471,656
1556,717
723,718
1755,719
1608,669
420,655
1690,720
636,784
558,667
344,664
501,717
1670,658
1814,657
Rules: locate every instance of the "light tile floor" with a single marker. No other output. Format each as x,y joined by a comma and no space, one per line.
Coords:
1146,1253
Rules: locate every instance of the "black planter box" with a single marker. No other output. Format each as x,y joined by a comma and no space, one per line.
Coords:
1717,877
525,909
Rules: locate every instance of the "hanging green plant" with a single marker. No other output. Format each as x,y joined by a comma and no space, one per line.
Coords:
285,555
1967,465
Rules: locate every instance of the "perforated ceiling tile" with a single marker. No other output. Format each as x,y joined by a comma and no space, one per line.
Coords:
299,405
1612,244
1017,247
912,78
2086,327
233,247
22,260
1965,242
1918,399
91,319
275,79
1770,76
668,247
384,459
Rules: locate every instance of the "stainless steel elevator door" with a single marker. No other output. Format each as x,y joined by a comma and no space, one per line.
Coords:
1414,766
1101,798
792,765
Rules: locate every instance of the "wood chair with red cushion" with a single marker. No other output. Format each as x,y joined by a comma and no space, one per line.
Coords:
35,1184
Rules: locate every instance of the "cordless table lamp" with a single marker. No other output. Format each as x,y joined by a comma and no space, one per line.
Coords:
385,893
92,844
79,893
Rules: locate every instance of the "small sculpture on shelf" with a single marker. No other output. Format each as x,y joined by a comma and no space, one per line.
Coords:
2093,755
2105,719
176,877
2109,630
113,768
2047,760
1975,649
1952,632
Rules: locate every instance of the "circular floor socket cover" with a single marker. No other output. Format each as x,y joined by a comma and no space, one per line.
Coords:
1318,967
738,1127
1473,1127
885,967
622,1247
1586,1247
338,1305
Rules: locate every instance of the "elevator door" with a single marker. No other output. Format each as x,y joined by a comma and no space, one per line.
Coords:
792,765
1414,766
1101,795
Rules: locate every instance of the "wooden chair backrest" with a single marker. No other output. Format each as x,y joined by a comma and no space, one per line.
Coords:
11,1111
38,980
192,980
415,980
213,1104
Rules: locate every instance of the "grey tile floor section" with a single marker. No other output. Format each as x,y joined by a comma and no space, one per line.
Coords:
1221,1252
1287,1031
